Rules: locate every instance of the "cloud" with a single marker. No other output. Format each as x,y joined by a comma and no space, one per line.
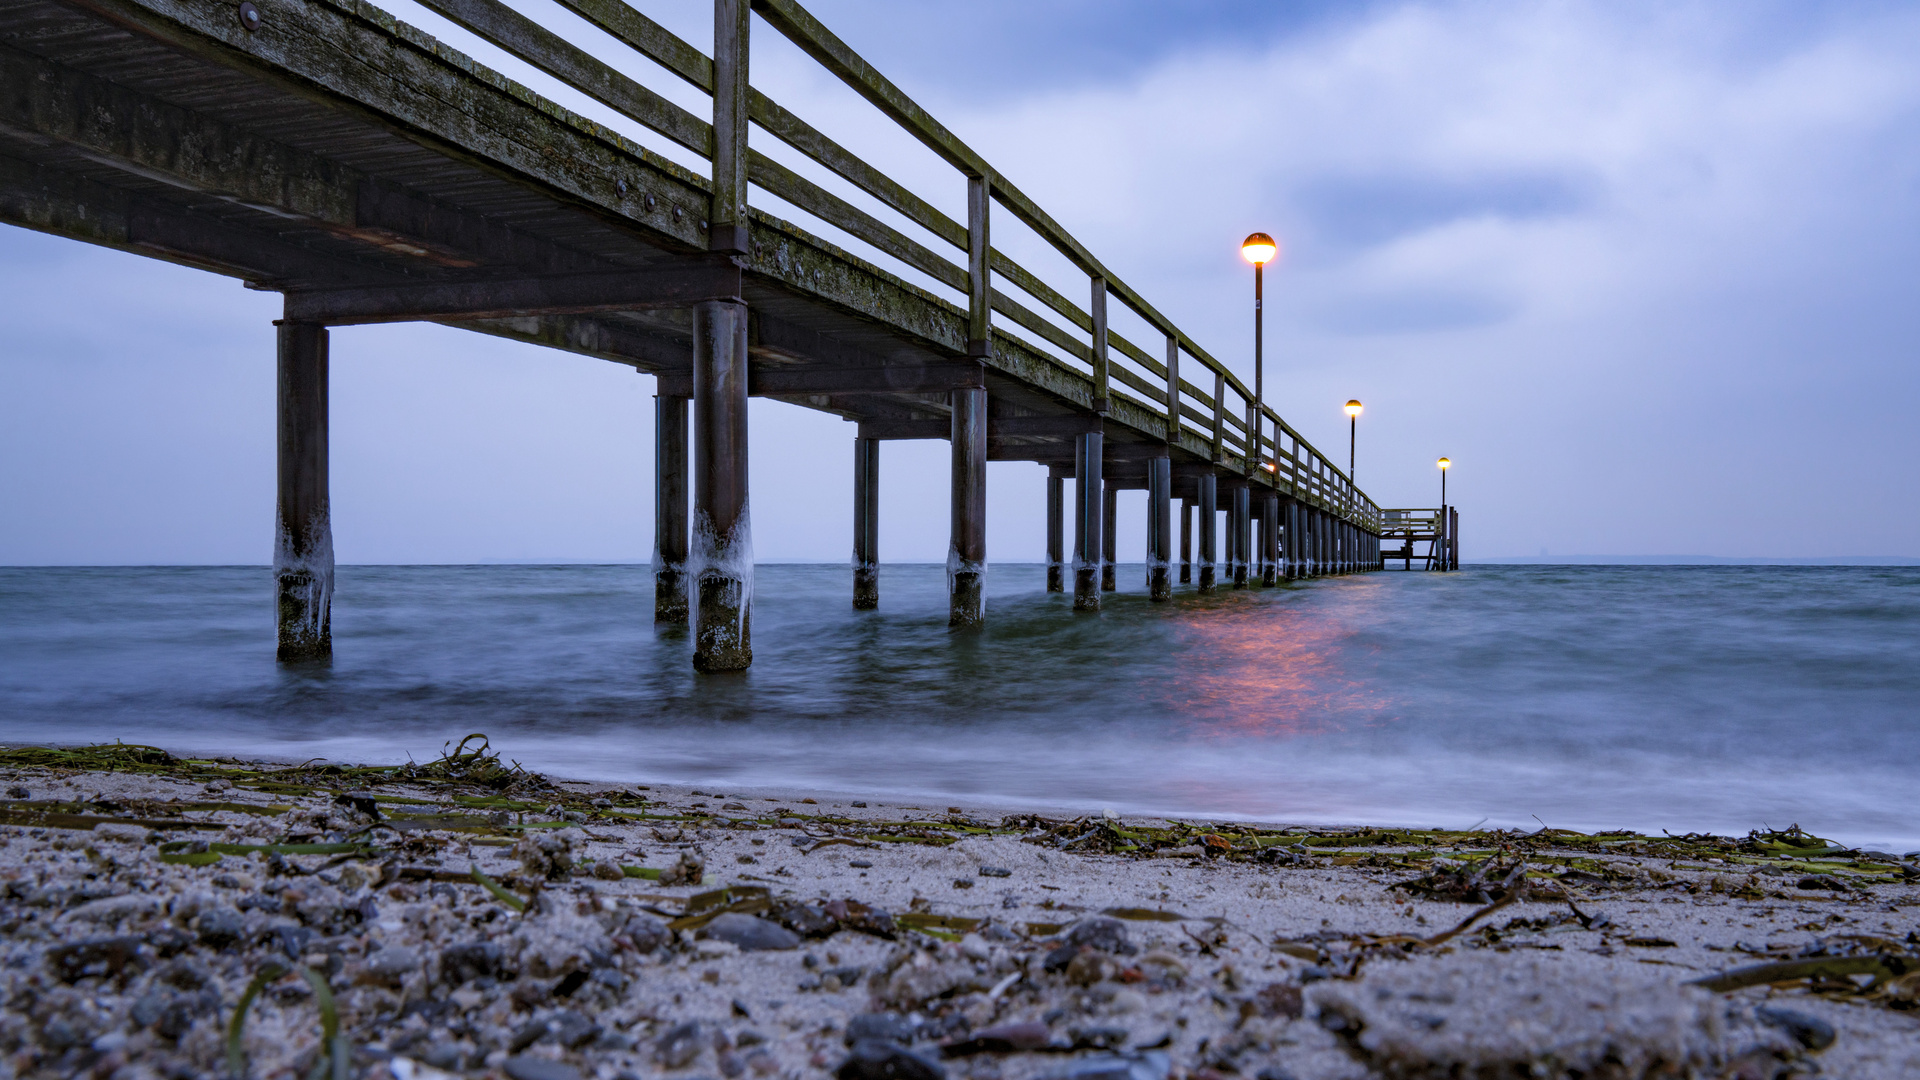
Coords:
1643,271
1344,212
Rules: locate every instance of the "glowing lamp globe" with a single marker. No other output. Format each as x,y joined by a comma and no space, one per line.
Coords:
1444,462
1259,249
1353,408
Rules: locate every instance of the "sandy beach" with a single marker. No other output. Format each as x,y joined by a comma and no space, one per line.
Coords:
172,917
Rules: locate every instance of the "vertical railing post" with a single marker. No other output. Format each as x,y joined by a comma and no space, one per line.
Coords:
669,509
727,218
303,533
1219,418
979,280
1098,309
1254,448
1173,390
866,524
1087,486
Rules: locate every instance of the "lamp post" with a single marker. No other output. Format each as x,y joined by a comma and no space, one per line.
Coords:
1445,464
1353,427
1259,249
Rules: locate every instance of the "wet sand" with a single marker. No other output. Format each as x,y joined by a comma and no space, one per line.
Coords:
667,931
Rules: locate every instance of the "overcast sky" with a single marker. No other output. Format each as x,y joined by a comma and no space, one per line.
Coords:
1646,272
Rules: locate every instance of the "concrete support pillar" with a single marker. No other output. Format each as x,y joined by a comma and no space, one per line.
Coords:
303,534
1270,540
967,556
1206,506
1087,486
1056,541
1109,519
669,509
1240,521
866,524
1160,528
721,556
1186,541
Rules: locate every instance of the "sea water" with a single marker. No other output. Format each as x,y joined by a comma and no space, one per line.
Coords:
1720,698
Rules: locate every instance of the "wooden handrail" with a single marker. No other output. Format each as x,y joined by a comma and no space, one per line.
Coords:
1298,466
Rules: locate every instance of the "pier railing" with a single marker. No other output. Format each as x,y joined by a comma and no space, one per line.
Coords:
1204,405
1439,527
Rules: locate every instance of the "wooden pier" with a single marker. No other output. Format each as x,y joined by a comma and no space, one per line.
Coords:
323,150
1437,528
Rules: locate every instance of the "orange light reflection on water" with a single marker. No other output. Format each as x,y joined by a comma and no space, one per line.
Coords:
1272,670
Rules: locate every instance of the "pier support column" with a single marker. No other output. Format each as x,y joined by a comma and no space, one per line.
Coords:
1087,486
721,559
1186,541
1240,522
303,536
1257,545
1307,541
669,509
1056,542
1291,542
1270,540
1160,528
967,557
1206,507
866,524
1109,520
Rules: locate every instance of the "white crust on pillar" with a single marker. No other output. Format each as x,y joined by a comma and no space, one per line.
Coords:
958,565
316,564
731,558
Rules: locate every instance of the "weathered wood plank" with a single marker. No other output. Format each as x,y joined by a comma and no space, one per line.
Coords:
891,379
572,65
679,285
